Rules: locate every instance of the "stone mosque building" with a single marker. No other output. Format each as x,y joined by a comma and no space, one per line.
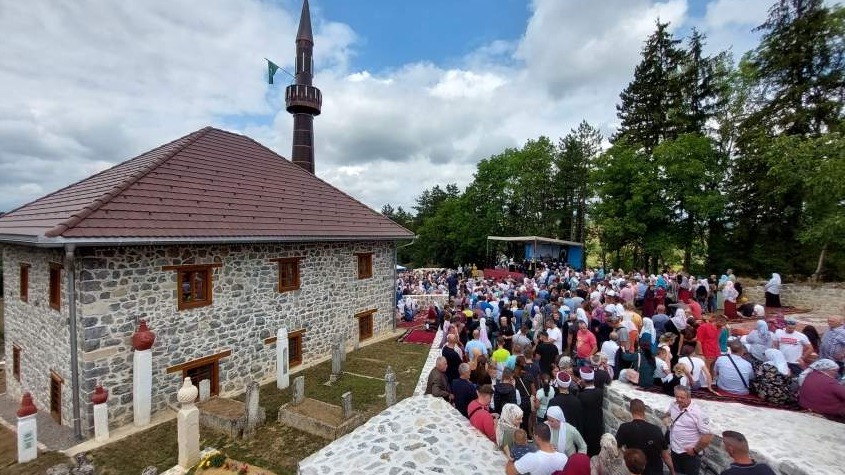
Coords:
212,239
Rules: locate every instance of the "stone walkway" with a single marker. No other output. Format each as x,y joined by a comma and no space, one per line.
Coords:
51,436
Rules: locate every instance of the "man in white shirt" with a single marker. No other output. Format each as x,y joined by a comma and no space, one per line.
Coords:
555,335
733,372
793,344
544,461
697,370
689,432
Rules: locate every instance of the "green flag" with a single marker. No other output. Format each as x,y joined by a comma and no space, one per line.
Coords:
271,70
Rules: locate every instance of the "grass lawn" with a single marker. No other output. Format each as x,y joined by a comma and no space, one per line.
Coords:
9,457
276,447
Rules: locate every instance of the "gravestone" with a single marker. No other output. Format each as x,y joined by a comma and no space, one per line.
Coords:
337,360
205,390
389,387
142,374
252,409
298,389
151,470
83,465
342,342
282,359
188,425
346,403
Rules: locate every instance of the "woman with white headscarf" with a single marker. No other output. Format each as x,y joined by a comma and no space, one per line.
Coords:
648,329
773,382
482,331
609,461
565,437
508,424
773,291
731,295
820,390
759,340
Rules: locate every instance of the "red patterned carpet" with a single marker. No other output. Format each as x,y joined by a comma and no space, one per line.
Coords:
418,321
419,337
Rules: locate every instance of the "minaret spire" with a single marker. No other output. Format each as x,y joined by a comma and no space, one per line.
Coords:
303,100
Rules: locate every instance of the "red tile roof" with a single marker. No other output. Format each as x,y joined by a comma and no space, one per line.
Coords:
210,184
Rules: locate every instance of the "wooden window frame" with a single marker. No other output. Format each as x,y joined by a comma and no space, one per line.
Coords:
213,360
365,265
16,362
295,342
56,379
297,271
207,285
55,287
24,282
366,316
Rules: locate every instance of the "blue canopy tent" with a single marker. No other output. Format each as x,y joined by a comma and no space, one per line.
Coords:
541,248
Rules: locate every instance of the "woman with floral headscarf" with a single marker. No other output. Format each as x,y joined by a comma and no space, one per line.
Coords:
508,423
773,382
609,461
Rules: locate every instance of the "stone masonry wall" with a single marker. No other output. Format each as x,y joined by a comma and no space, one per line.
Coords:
120,286
828,298
40,331
792,443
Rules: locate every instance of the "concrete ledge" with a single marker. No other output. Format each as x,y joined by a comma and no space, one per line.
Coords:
792,443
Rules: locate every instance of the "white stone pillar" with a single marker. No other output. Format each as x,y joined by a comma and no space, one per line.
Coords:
142,386
142,374
282,359
101,414
188,425
27,430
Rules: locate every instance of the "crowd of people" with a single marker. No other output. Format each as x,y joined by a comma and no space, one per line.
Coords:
526,362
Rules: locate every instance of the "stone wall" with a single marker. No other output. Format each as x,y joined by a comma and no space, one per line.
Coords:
828,298
119,286
424,301
40,331
791,443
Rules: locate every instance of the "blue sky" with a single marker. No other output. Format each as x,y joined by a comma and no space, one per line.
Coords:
416,92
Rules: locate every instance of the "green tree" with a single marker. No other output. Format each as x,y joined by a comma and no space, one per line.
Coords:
649,101
574,162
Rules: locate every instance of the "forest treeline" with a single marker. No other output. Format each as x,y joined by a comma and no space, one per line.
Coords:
717,163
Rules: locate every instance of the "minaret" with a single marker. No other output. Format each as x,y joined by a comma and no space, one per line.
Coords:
302,99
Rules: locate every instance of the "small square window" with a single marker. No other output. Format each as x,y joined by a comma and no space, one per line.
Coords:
16,362
365,265
365,324
288,274
24,284
295,348
193,285
56,286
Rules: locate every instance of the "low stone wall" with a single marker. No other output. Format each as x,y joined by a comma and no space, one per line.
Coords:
791,443
824,299
433,353
419,435
425,300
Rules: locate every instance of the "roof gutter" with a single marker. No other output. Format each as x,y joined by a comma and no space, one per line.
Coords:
47,242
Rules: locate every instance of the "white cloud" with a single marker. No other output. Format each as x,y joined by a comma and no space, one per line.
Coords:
745,13
95,83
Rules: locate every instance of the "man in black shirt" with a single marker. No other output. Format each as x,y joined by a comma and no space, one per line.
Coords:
736,445
643,435
547,352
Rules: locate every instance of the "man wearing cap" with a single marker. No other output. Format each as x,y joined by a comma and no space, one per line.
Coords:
568,403
793,344
544,461
689,432
592,403
736,445
479,415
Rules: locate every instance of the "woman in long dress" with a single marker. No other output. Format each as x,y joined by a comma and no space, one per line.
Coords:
773,291
730,299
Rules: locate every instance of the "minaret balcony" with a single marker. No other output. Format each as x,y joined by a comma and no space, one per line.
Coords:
300,98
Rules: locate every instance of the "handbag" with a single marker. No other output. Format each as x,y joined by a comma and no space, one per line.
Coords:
668,429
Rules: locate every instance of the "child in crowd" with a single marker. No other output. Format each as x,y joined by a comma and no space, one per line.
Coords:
520,445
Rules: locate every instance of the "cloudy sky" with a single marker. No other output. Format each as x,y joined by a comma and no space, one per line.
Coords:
416,92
